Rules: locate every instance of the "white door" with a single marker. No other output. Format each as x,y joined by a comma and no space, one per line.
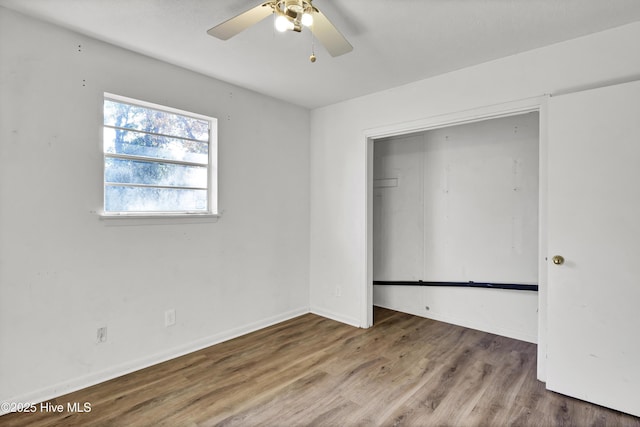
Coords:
594,223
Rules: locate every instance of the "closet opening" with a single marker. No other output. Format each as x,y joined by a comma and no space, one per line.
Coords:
455,223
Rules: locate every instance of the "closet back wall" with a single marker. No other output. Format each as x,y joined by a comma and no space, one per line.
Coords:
460,204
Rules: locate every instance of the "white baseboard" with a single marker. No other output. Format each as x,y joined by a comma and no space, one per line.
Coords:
492,329
334,316
85,381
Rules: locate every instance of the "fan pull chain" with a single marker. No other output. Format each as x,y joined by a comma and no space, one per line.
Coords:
312,58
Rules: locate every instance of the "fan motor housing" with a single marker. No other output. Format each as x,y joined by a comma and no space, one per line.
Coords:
294,6
293,10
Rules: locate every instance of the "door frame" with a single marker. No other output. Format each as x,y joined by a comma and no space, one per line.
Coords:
495,111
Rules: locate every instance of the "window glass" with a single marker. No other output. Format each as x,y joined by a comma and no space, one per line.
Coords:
156,159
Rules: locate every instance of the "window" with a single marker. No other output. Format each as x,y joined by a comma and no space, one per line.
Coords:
157,160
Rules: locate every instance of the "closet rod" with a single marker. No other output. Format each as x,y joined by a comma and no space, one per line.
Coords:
515,286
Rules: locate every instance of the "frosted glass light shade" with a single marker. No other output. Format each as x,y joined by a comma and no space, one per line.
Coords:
283,24
307,19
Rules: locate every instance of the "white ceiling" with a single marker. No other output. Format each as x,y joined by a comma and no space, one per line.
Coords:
395,41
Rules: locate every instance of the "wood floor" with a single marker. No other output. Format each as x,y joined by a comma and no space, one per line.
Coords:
406,370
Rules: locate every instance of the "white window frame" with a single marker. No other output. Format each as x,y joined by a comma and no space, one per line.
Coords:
212,167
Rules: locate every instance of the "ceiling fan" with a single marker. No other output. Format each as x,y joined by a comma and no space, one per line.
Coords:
290,15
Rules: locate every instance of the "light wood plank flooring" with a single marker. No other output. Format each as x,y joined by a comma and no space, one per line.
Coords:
406,370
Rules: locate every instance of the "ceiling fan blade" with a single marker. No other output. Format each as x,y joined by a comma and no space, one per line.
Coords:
329,36
235,25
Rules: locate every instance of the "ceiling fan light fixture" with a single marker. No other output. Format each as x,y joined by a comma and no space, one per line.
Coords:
307,19
289,15
283,24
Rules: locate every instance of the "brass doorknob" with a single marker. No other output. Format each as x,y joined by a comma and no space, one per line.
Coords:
558,260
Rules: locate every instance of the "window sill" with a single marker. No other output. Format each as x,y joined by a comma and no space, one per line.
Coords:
156,219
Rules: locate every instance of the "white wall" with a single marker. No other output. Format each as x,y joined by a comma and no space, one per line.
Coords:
464,204
339,154
463,207
64,272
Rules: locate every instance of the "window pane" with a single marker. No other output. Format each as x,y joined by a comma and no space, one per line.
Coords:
149,120
156,159
154,173
141,199
120,141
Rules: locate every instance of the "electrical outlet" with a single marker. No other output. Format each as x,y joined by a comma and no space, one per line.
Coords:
101,335
170,317
338,291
